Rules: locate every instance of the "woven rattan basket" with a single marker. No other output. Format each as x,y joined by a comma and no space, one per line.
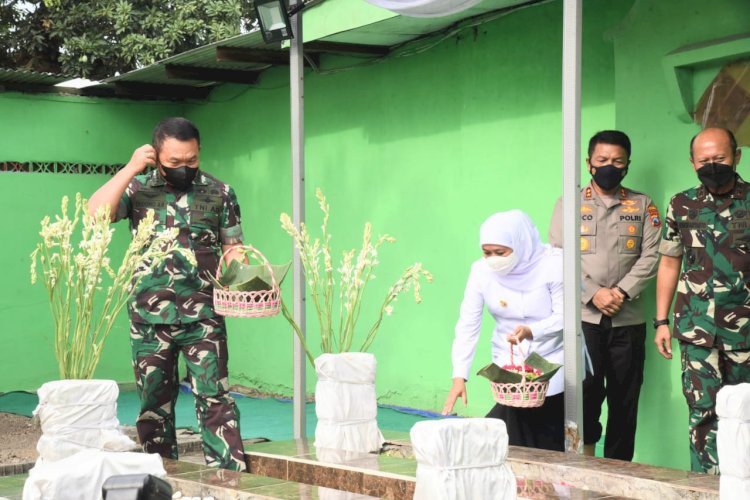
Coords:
523,394
252,304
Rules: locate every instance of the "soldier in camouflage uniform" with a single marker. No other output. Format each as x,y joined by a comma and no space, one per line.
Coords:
707,237
172,310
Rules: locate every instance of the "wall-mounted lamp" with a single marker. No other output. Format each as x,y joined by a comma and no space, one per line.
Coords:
273,19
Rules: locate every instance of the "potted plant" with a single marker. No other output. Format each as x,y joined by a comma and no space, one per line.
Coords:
345,398
74,271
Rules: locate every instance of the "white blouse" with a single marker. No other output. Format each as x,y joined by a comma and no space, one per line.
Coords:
536,302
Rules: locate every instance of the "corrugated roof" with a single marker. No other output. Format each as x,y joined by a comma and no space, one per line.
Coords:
242,58
20,76
202,57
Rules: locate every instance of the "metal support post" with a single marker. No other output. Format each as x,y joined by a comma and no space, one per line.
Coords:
297,82
571,134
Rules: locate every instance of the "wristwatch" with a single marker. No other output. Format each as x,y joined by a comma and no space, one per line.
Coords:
659,322
623,292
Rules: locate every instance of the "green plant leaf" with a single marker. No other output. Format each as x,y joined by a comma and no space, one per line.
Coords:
496,374
250,277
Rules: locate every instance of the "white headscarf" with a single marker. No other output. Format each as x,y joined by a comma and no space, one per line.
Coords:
516,230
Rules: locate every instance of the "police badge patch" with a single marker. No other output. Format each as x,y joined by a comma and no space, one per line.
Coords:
653,215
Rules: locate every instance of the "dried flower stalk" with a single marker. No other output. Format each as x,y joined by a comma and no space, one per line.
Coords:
355,270
74,279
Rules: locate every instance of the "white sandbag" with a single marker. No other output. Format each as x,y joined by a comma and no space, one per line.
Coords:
733,488
346,403
343,401
351,367
87,403
82,475
733,444
78,391
462,459
733,401
62,445
733,436
79,414
55,418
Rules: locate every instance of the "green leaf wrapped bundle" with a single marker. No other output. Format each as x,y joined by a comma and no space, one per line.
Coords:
503,376
250,277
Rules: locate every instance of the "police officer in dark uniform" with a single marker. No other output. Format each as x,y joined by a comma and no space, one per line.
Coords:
619,253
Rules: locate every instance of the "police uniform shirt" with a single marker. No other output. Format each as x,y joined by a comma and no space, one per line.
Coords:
619,247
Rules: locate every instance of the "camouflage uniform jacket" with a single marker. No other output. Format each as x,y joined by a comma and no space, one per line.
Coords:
208,216
713,293
619,247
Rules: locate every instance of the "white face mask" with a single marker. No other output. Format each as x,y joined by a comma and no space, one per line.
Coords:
502,265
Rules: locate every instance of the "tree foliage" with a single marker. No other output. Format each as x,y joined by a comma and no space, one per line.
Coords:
99,38
26,38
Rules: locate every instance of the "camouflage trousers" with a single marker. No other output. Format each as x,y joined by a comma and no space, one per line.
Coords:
704,372
203,345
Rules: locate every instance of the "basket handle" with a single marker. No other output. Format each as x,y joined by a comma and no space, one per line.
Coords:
523,366
257,255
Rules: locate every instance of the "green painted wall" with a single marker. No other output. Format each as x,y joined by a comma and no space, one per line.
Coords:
53,128
246,143
660,165
424,147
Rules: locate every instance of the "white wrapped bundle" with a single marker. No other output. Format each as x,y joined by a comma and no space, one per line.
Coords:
733,488
733,401
79,414
346,402
63,445
462,459
64,392
83,474
733,441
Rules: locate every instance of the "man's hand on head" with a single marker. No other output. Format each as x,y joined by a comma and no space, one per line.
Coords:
142,157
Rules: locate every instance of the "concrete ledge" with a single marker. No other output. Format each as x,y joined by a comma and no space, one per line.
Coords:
187,442
345,477
616,477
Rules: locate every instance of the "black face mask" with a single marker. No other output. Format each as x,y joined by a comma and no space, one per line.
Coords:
180,177
608,177
715,175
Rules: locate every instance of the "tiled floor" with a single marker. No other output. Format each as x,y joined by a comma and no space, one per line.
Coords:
196,480
389,476
550,474
627,479
297,470
11,487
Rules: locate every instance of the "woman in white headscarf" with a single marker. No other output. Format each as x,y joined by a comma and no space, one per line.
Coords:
519,280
